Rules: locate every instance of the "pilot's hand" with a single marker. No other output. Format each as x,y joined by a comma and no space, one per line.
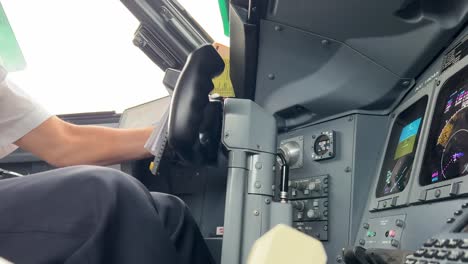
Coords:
222,49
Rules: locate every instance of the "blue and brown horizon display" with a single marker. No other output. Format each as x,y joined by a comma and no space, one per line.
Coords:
11,56
407,139
401,148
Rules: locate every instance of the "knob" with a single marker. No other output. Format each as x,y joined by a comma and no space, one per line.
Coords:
293,185
314,186
313,214
291,151
299,205
301,186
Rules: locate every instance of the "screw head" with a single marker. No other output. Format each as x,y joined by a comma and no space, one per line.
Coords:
325,42
258,165
267,201
258,185
256,212
405,83
278,28
347,169
437,82
271,76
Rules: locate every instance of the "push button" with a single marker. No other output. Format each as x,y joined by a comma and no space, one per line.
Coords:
419,253
454,255
430,242
464,258
315,203
441,254
464,244
299,215
453,243
441,243
430,253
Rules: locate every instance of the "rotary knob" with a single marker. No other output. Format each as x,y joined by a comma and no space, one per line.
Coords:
299,205
314,186
293,185
302,186
313,214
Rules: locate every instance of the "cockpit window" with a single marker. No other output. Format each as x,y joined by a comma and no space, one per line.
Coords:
80,56
210,16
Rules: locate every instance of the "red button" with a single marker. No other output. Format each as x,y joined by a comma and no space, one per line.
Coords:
391,233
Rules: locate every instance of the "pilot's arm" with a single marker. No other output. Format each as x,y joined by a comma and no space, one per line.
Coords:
64,144
30,127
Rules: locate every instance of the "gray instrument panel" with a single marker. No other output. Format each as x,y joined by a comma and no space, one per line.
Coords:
421,220
397,220
340,184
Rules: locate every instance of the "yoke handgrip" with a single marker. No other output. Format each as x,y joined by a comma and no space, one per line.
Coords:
191,97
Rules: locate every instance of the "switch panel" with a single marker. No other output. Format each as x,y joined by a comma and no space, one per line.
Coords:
313,209
318,230
313,187
382,232
309,199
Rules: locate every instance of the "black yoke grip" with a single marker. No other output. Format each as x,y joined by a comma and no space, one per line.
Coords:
191,97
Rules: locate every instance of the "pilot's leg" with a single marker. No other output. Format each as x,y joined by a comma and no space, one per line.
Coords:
183,230
82,215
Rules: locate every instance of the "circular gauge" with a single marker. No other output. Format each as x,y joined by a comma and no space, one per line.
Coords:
454,161
322,145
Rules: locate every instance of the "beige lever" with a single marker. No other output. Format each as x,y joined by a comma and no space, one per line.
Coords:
284,244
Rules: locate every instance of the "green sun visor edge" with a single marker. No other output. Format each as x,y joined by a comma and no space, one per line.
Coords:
224,9
11,56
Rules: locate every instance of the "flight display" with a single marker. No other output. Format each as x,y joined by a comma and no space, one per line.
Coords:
401,148
446,155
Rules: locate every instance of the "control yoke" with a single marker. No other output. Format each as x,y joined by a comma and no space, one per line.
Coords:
190,100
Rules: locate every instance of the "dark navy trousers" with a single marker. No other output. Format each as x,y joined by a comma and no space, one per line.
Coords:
88,214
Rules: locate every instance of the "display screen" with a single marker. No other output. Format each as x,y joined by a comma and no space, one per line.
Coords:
446,155
401,148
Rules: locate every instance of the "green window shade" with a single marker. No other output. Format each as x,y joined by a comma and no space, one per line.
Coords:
11,57
224,9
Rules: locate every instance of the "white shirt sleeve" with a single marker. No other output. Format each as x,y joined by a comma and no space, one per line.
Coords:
19,114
